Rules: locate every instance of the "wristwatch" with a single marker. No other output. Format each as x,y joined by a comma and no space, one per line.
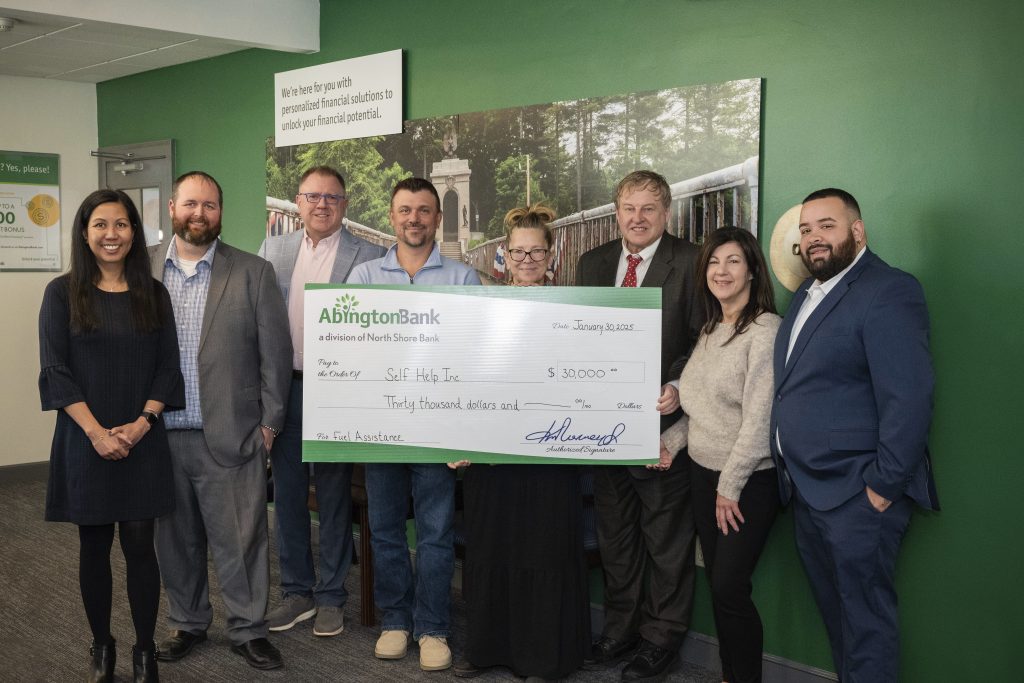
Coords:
151,417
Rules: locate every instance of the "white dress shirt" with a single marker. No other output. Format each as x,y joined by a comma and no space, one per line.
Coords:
647,253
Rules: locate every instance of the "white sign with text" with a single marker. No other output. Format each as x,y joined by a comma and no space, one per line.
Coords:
351,98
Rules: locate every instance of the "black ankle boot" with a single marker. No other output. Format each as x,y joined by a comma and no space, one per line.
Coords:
103,659
144,664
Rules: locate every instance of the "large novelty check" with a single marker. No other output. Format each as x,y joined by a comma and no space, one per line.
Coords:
488,374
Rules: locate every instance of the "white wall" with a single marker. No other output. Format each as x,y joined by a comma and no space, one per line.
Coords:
38,115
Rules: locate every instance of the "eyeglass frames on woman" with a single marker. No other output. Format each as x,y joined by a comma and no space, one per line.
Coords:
521,254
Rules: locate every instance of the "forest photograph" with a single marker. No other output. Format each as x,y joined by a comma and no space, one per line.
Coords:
569,154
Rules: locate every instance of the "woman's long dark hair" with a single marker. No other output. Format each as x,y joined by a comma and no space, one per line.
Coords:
762,297
84,273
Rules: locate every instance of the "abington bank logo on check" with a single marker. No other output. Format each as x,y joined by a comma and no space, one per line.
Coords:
344,313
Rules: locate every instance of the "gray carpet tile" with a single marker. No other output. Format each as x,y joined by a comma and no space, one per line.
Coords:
44,635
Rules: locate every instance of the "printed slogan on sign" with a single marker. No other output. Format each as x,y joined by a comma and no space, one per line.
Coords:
352,98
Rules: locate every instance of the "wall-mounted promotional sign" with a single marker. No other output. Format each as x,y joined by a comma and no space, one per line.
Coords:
351,98
29,211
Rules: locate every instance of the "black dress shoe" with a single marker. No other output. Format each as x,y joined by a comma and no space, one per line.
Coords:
101,670
144,665
607,652
465,669
179,644
259,653
650,664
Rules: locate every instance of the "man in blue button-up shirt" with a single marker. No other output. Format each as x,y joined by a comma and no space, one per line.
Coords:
236,358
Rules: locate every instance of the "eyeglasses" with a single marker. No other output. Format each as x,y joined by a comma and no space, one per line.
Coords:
315,197
521,254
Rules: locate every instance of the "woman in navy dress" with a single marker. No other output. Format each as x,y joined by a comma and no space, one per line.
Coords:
525,575
109,367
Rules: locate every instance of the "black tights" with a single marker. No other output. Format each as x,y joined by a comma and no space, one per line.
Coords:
95,579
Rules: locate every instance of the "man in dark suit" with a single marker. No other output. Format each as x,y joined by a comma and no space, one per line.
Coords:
850,420
322,251
644,522
236,361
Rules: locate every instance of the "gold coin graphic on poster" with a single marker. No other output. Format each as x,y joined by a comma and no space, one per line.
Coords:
43,210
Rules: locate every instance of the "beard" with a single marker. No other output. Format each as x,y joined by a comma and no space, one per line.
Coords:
199,237
417,240
839,258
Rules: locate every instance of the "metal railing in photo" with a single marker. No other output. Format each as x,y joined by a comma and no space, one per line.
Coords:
283,218
700,205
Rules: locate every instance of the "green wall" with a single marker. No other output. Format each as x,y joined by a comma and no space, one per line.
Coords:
915,107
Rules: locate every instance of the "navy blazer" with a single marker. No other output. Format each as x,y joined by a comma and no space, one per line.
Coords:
853,404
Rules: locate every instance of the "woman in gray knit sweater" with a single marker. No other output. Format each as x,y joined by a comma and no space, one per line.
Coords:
725,391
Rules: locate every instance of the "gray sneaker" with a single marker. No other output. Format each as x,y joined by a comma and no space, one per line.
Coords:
291,610
330,621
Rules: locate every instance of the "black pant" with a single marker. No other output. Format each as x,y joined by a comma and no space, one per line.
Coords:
96,582
646,536
729,563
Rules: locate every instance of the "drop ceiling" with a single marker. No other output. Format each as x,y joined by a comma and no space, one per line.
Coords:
72,48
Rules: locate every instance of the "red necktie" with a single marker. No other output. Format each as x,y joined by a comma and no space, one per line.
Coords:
632,261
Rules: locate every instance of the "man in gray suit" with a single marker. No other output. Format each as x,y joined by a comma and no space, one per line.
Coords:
323,251
236,355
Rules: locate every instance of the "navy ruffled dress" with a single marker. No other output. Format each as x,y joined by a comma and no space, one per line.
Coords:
115,369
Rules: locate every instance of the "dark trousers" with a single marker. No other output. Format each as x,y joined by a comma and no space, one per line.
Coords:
729,563
646,536
849,554
291,515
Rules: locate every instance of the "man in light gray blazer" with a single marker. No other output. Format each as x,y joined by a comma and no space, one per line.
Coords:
323,251
233,337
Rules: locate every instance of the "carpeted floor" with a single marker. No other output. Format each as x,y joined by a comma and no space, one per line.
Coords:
44,635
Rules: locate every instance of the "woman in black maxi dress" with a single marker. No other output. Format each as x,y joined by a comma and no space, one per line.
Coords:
525,575
109,366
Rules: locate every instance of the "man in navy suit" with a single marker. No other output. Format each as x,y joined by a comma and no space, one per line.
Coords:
852,407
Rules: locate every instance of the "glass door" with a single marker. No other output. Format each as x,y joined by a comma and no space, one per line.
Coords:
144,172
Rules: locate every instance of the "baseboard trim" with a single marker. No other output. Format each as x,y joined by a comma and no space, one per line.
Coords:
27,471
702,650
699,649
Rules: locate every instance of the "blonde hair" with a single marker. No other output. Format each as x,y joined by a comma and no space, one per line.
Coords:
645,180
536,216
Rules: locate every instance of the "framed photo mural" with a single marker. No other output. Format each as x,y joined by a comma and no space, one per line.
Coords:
705,139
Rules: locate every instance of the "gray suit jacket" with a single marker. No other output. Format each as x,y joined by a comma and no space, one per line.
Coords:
283,250
245,353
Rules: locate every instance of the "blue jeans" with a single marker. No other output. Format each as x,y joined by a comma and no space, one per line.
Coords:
423,607
291,515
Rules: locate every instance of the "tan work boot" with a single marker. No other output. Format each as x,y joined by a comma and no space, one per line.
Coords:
434,653
391,645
